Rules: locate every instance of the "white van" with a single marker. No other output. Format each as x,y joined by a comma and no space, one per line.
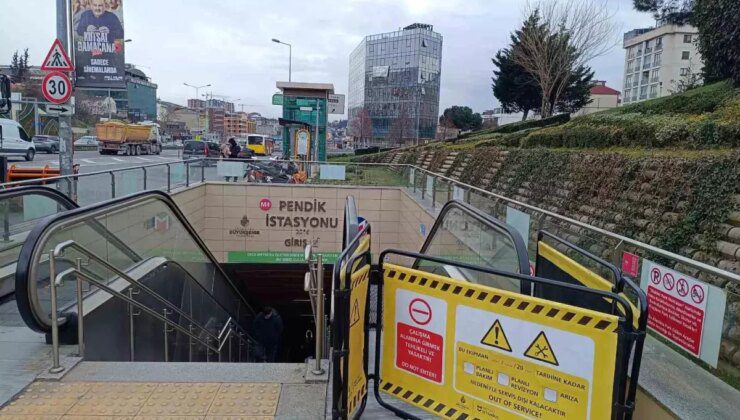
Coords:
14,141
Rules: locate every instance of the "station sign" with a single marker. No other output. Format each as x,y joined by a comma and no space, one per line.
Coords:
457,349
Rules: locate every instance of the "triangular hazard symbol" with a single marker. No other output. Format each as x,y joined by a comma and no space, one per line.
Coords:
495,337
541,350
355,317
57,58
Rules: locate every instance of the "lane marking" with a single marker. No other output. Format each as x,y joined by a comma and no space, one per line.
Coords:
119,159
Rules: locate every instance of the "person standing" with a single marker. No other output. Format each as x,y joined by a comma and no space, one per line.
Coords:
268,331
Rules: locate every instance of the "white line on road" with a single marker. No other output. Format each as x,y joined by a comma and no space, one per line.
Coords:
142,159
119,159
90,161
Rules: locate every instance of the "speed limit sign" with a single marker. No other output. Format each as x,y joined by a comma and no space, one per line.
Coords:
56,87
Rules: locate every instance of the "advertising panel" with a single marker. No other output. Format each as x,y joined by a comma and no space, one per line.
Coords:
99,44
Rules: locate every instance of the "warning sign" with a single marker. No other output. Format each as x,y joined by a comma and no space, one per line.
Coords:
57,59
495,337
497,354
420,328
677,306
356,378
541,350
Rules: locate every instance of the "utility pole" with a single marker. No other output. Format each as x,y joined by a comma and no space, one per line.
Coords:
66,145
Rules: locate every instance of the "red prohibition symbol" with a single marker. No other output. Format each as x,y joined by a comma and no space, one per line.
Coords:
420,311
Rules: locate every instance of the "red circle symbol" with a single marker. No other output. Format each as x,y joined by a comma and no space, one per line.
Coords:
655,275
56,87
682,287
668,281
697,294
420,311
265,204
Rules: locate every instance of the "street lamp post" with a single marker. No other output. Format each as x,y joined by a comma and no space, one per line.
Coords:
290,57
197,97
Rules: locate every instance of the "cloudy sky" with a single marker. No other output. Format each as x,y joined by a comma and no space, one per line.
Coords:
227,42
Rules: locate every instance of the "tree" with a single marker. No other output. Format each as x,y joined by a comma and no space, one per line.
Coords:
672,11
513,86
361,126
570,34
577,92
402,126
718,22
446,122
462,117
19,66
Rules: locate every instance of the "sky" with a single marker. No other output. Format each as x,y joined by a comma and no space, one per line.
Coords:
227,43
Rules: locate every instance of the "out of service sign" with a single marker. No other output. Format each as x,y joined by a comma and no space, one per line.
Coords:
455,348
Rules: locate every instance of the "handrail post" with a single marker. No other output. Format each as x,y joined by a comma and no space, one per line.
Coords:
144,169
187,173
434,190
318,370
169,188
112,184
80,313
55,367
203,170
131,314
190,343
165,312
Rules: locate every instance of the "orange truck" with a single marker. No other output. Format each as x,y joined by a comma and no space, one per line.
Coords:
118,137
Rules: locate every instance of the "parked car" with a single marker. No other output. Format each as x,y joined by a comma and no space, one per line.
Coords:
87,141
48,144
14,141
193,149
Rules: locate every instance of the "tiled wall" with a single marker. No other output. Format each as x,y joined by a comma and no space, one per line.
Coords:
230,220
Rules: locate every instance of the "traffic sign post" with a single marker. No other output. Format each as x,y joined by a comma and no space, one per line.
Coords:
57,59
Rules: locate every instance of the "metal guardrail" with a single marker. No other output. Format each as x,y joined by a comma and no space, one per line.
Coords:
222,338
615,236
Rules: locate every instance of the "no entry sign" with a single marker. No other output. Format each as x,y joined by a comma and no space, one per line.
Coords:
678,306
420,328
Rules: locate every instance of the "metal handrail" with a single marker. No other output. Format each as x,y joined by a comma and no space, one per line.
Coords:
62,246
667,254
41,234
76,176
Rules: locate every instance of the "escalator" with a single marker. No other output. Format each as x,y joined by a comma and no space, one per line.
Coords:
137,276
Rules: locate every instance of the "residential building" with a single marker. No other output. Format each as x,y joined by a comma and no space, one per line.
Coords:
238,125
657,59
394,81
602,97
216,122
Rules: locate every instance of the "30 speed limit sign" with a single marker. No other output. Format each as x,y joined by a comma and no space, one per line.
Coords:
56,87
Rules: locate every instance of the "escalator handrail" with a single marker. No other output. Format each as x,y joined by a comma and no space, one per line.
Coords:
69,204
28,305
486,219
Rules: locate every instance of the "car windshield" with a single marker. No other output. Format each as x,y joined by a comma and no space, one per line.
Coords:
194,146
255,140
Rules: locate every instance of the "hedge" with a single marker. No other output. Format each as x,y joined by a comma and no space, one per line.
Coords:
524,125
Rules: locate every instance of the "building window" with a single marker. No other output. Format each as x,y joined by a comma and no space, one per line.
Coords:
684,71
687,39
629,65
645,77
627,94
657,59
628,81
653,91
658,44
643,92
646,62
654,77
684,55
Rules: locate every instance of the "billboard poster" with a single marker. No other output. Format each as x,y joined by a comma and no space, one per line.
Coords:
99,43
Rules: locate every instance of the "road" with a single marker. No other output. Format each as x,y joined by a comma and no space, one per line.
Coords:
92,161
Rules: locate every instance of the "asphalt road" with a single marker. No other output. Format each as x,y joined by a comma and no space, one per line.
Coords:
92,161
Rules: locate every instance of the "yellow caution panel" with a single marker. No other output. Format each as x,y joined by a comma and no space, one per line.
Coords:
356,378
460,349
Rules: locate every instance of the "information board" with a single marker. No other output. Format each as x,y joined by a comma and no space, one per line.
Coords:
457,349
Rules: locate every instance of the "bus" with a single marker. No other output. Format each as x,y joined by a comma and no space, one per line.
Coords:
261,145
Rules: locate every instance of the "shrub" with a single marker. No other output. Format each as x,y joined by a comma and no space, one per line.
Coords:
672,133
524,125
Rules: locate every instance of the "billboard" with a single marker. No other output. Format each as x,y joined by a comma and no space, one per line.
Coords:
99,43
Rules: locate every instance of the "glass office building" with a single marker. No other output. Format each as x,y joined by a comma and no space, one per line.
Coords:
394,82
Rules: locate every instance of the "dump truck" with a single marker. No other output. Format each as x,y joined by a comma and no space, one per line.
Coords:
116,137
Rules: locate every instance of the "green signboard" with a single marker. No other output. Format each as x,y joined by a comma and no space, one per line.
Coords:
275,257
277,99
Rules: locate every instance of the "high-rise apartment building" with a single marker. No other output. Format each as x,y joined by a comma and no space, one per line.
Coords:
658,59
394,81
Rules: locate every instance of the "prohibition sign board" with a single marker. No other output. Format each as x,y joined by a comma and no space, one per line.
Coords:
420,311
56,87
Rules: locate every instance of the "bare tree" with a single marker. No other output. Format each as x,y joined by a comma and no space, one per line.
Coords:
362,126
563,35
402,125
